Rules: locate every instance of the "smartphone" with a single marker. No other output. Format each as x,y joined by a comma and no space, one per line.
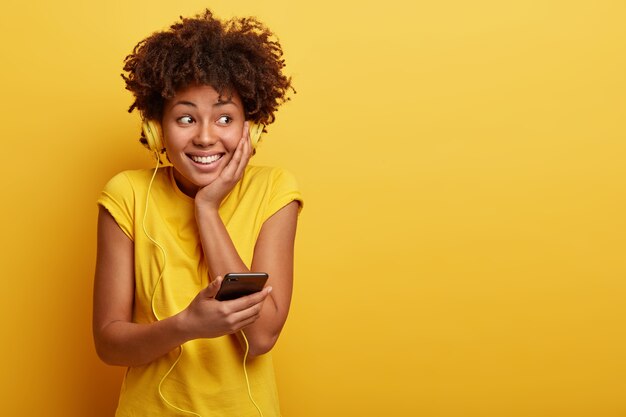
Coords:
238,284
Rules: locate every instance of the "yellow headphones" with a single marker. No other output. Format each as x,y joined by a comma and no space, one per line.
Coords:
154,135
254,131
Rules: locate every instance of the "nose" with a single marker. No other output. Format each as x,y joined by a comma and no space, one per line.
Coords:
205,136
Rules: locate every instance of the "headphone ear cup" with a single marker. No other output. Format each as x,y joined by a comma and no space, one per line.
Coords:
254,131
153,135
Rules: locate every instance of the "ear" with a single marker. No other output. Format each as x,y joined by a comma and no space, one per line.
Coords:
153,134
254,131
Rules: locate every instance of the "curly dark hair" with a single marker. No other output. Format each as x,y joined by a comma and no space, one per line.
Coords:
240,55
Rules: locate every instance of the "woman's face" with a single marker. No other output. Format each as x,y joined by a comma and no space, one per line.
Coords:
201,130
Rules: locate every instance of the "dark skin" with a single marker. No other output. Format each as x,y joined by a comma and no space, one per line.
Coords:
201,130
245,58
244,49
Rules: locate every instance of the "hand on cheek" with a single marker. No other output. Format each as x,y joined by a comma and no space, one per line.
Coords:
213,193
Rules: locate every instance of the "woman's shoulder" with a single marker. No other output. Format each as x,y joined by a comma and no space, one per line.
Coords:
136,178
277,185
268,175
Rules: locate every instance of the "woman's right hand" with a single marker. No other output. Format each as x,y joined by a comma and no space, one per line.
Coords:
206,317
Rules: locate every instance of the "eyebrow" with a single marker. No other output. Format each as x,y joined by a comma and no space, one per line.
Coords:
185,103
219,103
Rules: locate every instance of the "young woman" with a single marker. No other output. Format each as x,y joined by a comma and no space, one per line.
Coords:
167,236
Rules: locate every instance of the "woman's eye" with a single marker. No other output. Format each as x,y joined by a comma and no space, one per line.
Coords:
185,120
224,120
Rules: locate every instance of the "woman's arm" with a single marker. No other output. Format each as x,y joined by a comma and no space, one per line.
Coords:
219,251
119,341
274,253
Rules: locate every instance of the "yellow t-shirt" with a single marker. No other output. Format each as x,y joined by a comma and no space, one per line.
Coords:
208,380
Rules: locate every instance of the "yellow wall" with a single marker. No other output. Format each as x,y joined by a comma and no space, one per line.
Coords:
462,248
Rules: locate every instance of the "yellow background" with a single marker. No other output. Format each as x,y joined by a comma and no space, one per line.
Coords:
462,248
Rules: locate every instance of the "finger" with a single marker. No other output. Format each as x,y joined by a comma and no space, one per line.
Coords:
247,136
245,147
248,301
245,157
246,130
247,316
247,322
211,290
231,168
242,325
238,163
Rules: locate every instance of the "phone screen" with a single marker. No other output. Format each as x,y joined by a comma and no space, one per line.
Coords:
235,285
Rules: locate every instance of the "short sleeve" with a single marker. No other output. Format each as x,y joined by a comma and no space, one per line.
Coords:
118,197
284,190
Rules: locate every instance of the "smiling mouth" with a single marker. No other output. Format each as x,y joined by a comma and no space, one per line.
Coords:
205,160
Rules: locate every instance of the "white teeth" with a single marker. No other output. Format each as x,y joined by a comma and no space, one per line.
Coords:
205,159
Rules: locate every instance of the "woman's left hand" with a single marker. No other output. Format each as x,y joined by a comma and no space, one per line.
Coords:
213,194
